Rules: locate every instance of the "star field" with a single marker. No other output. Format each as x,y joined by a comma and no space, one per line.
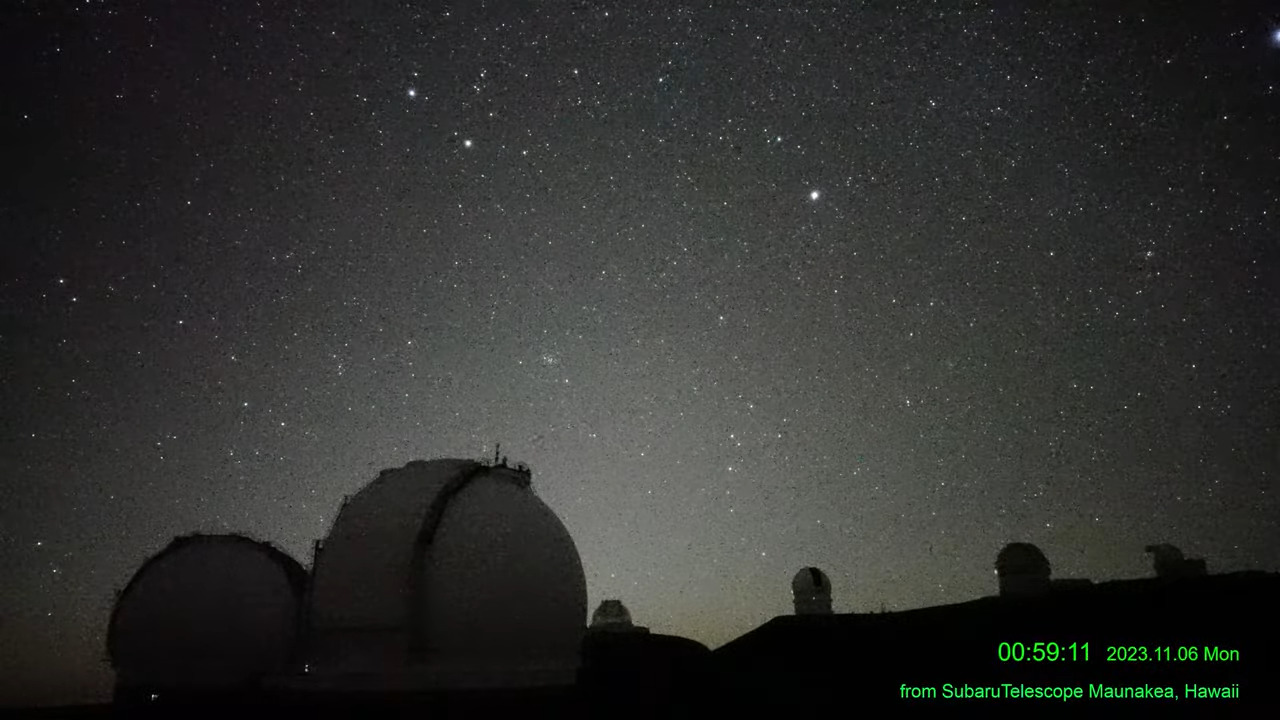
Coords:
750,287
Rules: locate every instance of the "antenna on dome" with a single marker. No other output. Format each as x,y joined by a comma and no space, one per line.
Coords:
496,448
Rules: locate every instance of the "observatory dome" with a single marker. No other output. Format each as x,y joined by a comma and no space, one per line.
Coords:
1171,563
1022,559
810,580
811,592
448,573
1022,570
209,611
611,615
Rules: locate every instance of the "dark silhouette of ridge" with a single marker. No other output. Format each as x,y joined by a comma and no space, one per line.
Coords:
413,535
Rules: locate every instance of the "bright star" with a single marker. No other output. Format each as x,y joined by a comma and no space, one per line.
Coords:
814,194
412,93
1275,37
466,143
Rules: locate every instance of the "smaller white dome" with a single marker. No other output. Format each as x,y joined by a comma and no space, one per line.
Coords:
1023,570
810,581
207,611
1171,563
811,592
611,614
1022,559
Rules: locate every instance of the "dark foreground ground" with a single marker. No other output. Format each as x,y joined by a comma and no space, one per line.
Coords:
1214,631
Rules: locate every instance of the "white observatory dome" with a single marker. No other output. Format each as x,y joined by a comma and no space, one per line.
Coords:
811,592
209,611
448,573
612,615
1023,570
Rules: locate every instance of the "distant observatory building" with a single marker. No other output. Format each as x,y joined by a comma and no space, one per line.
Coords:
1170,563
209,613
441,575
1023,570
811,592
613,616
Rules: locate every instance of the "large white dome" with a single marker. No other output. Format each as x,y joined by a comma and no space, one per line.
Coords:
447,573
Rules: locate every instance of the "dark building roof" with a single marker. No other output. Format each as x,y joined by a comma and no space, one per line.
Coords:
643,674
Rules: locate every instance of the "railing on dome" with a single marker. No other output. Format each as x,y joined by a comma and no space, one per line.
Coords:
526,475
500,461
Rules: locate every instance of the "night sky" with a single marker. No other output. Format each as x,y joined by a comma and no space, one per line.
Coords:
749,287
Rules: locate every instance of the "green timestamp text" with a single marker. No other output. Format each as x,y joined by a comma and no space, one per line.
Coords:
1042,652
1166,653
